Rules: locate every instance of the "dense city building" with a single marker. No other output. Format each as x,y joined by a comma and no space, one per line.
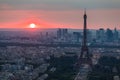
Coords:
100,35
77,37
52,54
116,35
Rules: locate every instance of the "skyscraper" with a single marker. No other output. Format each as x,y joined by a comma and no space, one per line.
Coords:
109,35
100,35
61,33
77,36
116,35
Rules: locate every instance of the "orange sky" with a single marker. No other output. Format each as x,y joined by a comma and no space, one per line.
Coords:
15,16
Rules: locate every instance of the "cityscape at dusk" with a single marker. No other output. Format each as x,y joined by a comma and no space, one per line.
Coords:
59,40
59,14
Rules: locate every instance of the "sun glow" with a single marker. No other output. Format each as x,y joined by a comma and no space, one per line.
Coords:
32,25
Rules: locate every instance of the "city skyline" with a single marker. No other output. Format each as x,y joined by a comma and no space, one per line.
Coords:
59,14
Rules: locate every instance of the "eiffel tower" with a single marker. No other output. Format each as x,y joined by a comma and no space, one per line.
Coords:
84,57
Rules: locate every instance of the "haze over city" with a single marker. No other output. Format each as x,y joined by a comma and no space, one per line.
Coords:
59,40
59,13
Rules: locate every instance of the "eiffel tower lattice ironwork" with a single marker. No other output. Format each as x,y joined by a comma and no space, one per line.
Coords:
84,57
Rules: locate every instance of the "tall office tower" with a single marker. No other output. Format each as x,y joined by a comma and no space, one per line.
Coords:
62,33
116,35
65,31
59,33
109,35
77,36
89,36
100,35
84,57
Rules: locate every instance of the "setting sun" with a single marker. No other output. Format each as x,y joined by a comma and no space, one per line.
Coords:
32,25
